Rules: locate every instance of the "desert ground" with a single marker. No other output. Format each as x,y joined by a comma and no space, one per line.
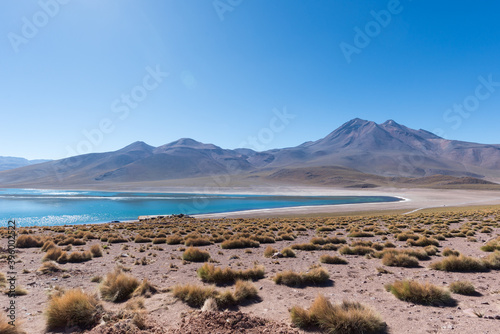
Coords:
138,285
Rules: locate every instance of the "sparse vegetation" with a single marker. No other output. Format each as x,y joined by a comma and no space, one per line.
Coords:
463,288
419,293
118,286
209,273
72,308
315,276
459,263
347,317
195,255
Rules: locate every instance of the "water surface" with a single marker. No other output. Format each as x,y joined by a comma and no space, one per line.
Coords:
32,207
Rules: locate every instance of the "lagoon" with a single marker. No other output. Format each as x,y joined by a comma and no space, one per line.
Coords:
34,207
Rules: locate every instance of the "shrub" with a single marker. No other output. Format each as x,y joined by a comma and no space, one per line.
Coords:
197,242
195,296
159,241
269,251
423,241
28,241
49,267
52,254
6,328
459,263
72,308
140,239
96,250
239,243
491,245
492,261
358,250
174,240
63,258
328,259
347,317
463,288
118,286
195,255
306,247
315,276
48,245
117,240
244,290
209,273
448,251
399,260
77,257
419,293
145,289
288,252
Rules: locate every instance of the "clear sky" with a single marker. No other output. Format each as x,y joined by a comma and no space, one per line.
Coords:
91,75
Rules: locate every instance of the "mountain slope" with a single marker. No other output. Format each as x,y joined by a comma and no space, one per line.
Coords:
14,162
388,149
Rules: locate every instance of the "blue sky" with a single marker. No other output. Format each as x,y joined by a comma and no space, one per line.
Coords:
93,76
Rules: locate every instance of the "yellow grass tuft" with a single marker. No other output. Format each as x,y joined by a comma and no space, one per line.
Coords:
72,308
118,286
346,317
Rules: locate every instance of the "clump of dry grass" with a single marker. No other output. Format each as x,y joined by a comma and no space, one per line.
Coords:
315,276
48,245
459,263
346,317
328,259
448,252
196,296
52,254
6,328
49,267
174,240
28,241
491,245
463,288
287,252
199,241
78,257
72,308
270,251
118,286
357,250
96,250
239,243
492,261
195,255
399,260
145,289
423,241
209,273
419,293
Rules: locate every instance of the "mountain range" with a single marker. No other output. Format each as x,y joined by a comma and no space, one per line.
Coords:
15,162
363,149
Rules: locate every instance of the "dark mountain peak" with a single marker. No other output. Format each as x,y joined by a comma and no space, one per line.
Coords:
137,146
188,142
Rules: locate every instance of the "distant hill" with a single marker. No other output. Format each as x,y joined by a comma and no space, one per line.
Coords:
358,154
13,162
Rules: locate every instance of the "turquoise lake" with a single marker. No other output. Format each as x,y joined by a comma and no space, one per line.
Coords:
31,207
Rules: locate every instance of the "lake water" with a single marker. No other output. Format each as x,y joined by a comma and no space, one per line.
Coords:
30,207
